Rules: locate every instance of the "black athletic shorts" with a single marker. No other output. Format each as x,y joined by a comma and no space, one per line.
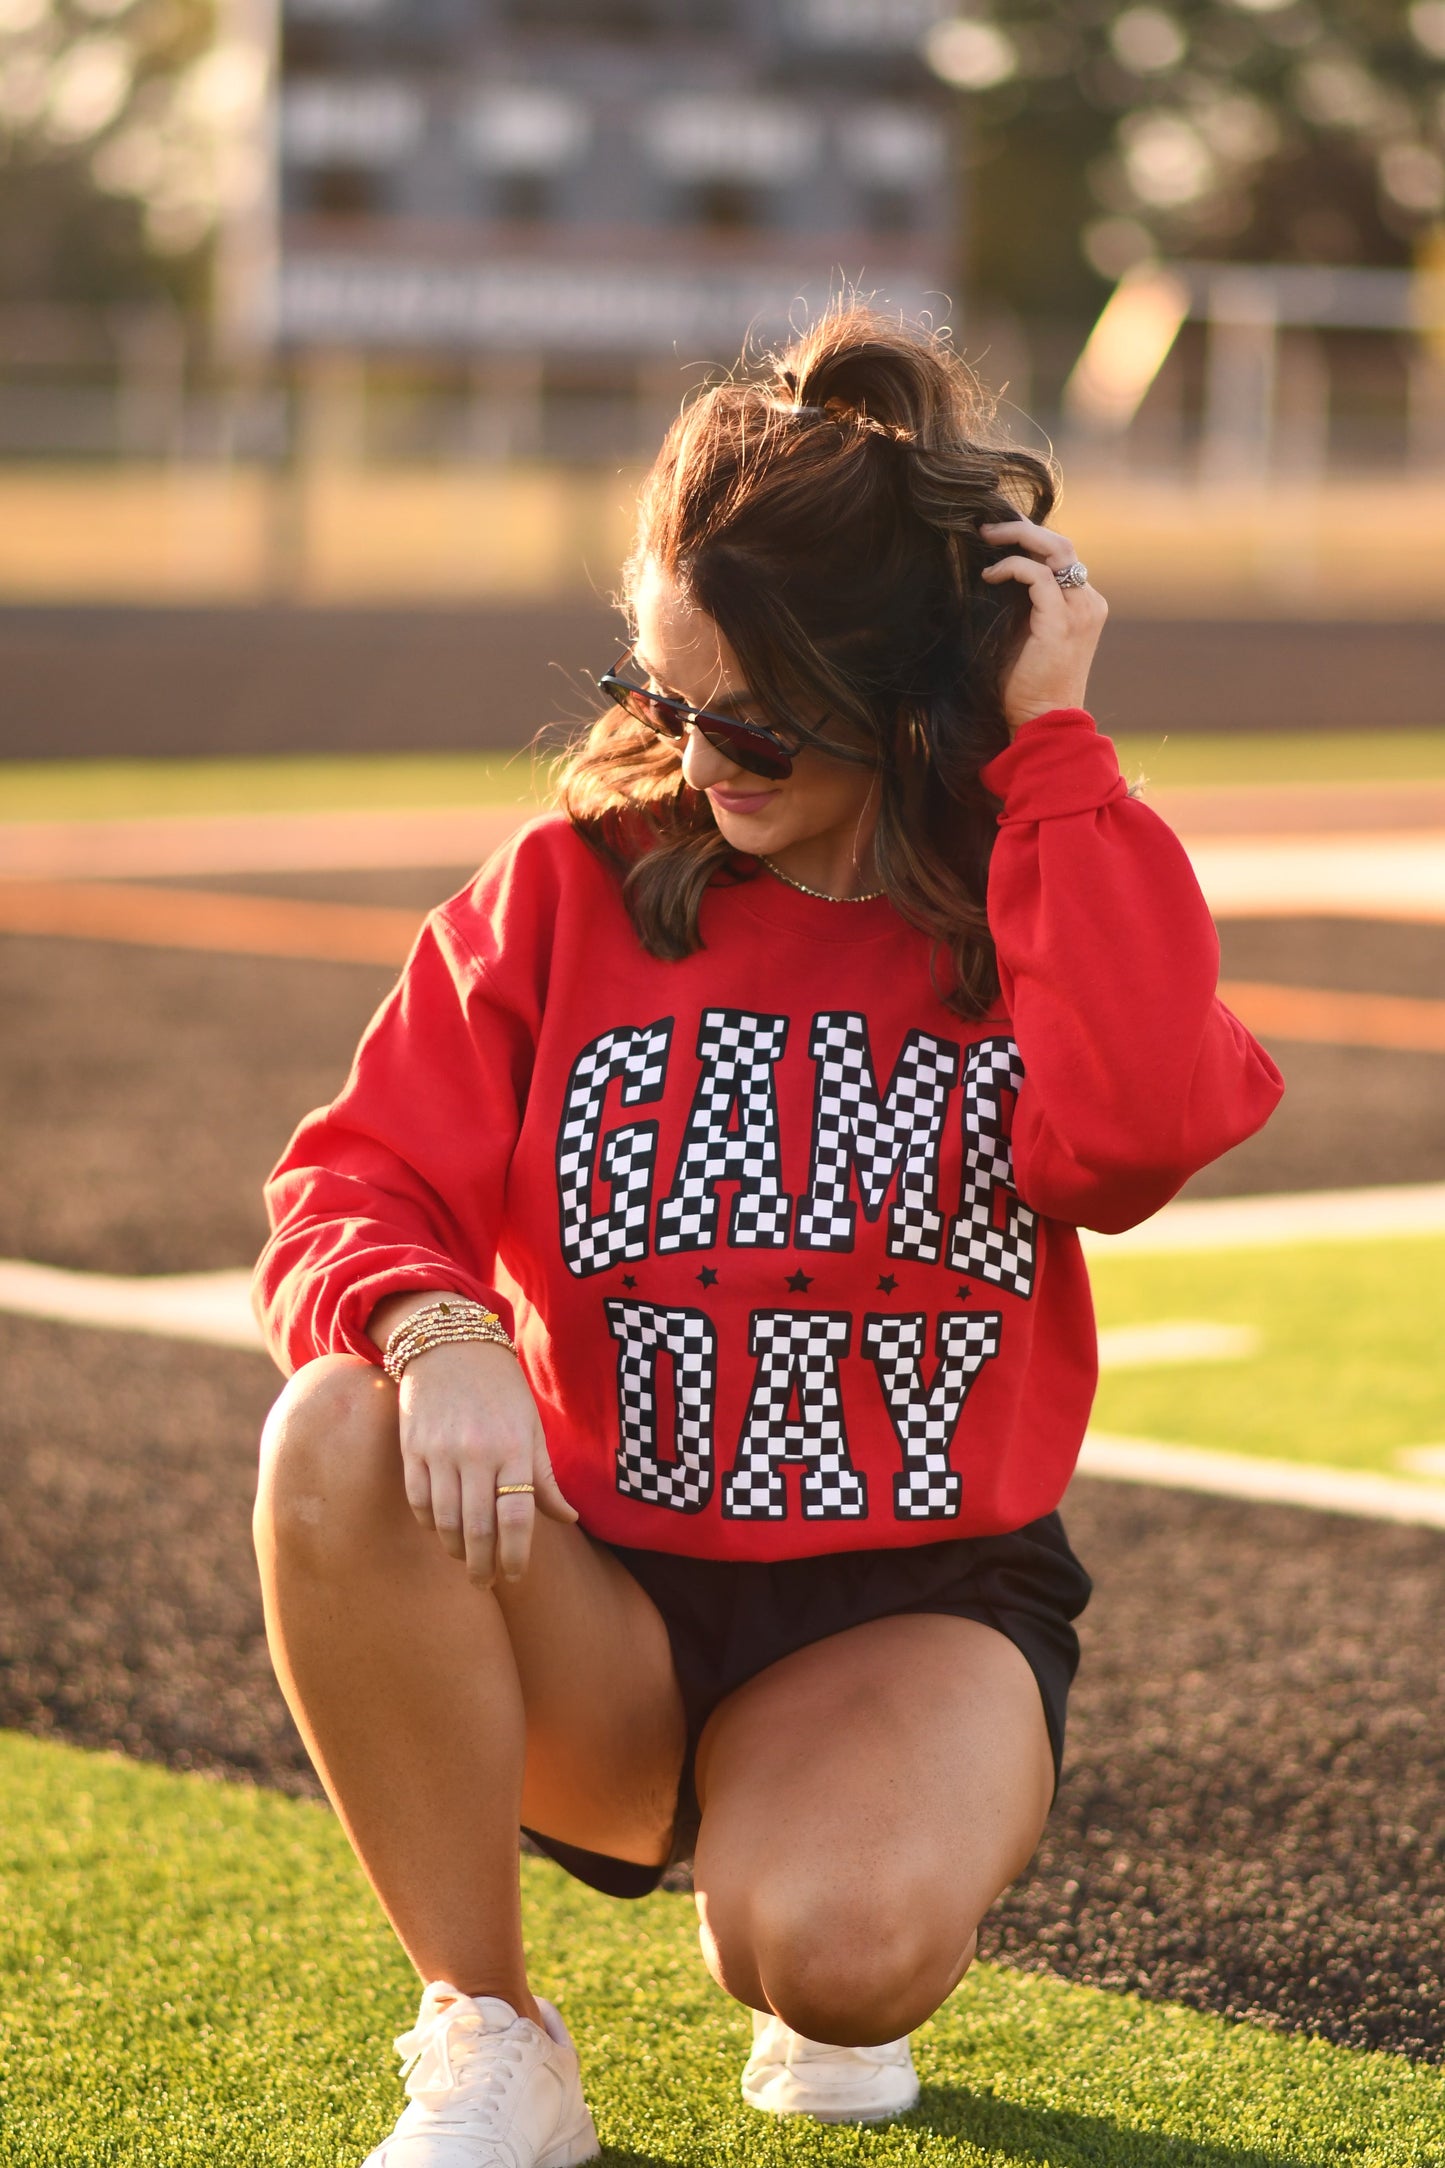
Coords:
728,1619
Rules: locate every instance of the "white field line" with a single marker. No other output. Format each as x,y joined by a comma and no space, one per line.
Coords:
1395,874
1175,1340
210,1306
1248,1223
1388,875
216,1307
1266,1482
1422,1459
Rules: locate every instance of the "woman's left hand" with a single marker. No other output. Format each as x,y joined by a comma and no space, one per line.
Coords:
1051,669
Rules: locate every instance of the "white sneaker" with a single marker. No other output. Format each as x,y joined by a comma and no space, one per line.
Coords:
788,2075
488,2089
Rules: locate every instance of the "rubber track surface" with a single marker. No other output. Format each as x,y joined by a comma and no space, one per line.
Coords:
1253,1815
144,1093
1252,1818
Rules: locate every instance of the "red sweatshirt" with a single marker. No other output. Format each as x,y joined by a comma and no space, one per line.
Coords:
787,1246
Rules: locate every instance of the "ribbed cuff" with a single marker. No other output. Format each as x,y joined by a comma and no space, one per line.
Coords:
361,1298
1057,764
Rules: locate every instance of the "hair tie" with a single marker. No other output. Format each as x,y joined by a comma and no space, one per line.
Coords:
839,410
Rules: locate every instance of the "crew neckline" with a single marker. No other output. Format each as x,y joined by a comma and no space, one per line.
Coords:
775,903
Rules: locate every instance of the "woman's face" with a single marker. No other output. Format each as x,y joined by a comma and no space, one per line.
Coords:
823,812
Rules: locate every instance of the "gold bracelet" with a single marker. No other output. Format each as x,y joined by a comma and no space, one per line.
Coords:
398,1359
441,1324
437,1323
443,1316
447,1310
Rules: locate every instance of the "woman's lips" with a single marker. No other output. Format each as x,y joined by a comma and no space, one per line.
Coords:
728,801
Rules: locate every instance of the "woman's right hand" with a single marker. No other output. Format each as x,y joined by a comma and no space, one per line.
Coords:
468,1423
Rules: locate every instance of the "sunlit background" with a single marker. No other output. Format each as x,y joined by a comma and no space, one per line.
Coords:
335,338
378,298
332,348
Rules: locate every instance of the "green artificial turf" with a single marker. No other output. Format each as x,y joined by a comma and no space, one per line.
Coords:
125,789
324,782
1174,760
1349,1365
195,1973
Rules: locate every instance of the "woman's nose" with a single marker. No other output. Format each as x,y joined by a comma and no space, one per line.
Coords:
702,763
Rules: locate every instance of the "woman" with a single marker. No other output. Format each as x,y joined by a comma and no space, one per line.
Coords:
756,1096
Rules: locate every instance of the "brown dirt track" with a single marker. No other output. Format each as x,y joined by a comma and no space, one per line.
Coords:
1252,1818
145,1092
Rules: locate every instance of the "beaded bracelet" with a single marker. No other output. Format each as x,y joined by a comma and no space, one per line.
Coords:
439,1325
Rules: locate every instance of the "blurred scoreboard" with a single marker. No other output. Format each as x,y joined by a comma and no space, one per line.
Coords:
606,178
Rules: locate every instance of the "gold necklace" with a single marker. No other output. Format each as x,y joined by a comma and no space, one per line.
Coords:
803,889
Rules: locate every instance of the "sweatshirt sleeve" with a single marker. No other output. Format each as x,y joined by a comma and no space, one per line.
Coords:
1135,1074
399,1184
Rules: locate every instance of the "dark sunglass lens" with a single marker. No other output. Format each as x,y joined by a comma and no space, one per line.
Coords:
659,715
749,752
670,719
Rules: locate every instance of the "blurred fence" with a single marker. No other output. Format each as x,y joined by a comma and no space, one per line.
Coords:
1229,393
324,532
1280,458
348,552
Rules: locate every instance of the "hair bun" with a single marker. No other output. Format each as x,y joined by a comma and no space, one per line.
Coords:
857,368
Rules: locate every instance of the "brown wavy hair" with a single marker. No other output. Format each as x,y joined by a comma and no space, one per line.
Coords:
824,510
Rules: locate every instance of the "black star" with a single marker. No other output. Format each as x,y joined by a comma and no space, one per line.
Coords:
964,1290
708,1276
800,1281
886,1283
628,1280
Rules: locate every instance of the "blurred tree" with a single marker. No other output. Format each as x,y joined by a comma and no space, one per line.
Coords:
1264,130
1099,131
122,137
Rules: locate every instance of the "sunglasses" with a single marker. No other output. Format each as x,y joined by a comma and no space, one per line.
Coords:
748,745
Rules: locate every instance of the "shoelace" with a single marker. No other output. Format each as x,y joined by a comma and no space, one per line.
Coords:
439,2051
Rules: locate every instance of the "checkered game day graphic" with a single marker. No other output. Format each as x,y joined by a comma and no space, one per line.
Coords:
868,1149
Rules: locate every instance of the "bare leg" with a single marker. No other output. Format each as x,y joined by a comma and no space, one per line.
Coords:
864,1802
439,1715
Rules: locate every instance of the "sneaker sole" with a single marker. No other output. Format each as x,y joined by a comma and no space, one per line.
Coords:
579,2145
877,2115
840,2115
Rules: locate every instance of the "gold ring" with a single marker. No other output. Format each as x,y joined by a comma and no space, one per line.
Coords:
507,1490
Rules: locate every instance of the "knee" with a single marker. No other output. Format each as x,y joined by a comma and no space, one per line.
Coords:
330,1468
854,1968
